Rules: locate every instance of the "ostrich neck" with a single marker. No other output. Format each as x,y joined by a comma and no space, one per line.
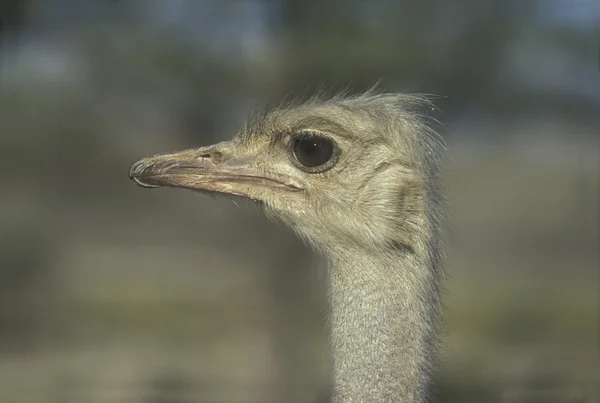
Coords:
381,326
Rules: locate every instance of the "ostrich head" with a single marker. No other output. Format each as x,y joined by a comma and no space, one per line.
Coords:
348,171
357,178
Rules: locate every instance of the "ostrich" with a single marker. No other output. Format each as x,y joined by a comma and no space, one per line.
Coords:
357,178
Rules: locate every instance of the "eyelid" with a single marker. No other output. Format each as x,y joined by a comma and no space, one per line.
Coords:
286,137
307,133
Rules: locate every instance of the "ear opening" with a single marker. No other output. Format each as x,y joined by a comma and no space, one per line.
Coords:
393,203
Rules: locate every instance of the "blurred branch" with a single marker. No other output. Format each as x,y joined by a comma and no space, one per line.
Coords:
12,19
12,15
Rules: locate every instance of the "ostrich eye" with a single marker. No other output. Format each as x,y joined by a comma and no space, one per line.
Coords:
313,151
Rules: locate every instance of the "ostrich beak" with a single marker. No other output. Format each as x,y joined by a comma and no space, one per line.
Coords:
217,168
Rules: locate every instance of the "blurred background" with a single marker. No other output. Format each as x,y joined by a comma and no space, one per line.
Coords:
110,293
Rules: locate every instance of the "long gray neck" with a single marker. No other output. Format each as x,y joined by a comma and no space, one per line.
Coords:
382,321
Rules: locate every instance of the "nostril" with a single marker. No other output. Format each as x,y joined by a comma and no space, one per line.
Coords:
215,157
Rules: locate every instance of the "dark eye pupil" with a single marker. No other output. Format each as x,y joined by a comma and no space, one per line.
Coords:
313,151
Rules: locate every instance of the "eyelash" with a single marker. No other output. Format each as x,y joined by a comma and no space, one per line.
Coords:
287,136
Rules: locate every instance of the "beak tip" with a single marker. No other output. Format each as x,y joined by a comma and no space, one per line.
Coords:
136,171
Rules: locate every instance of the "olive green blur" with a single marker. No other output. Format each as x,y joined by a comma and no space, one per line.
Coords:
110,293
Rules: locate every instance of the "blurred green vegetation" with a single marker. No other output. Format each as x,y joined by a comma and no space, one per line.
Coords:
108,294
